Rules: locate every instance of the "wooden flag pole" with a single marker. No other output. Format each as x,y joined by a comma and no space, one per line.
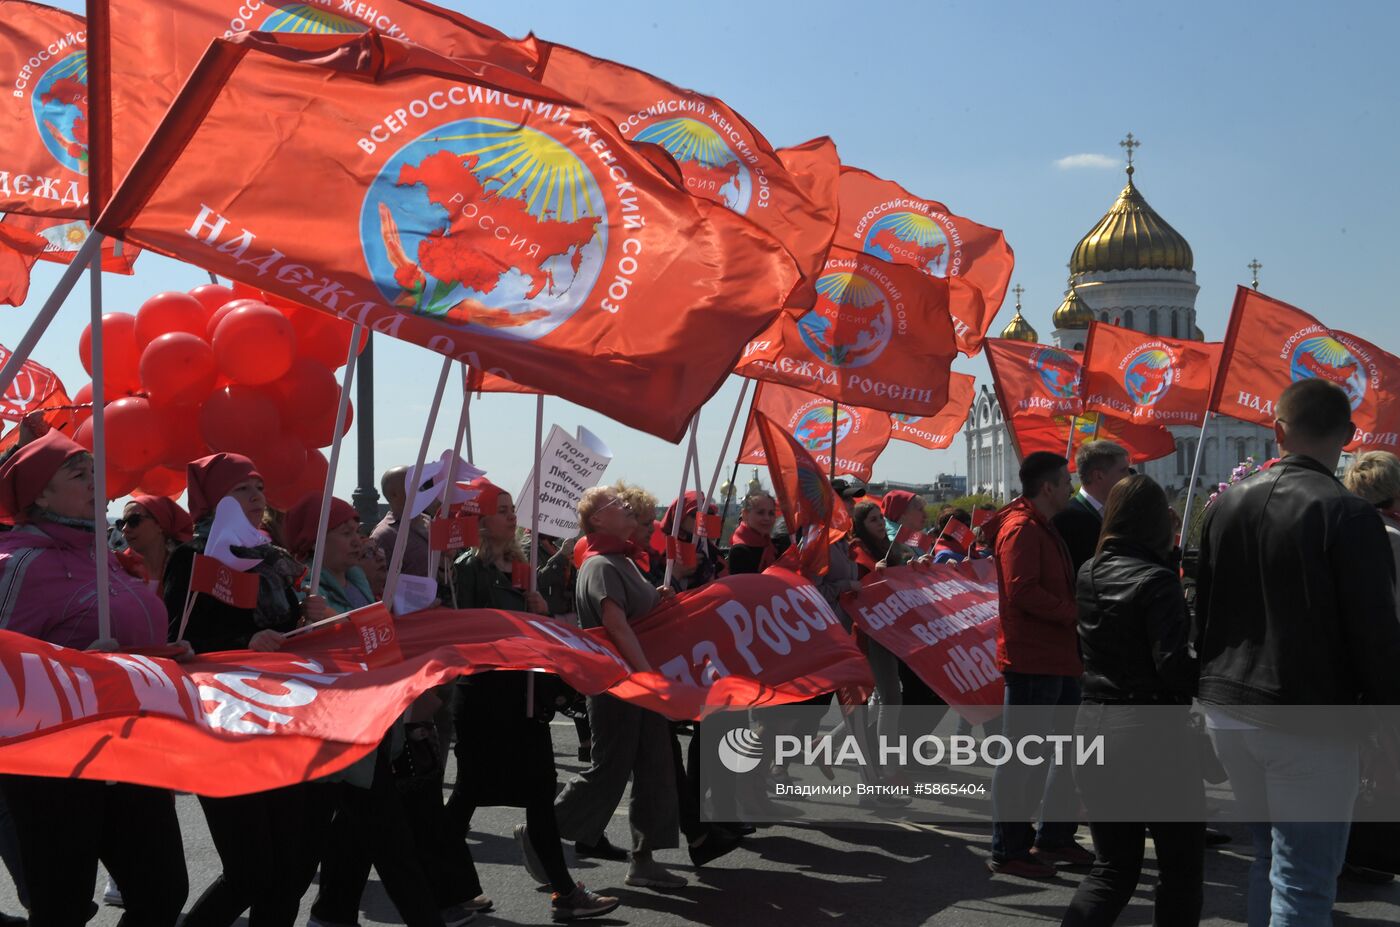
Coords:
99,432
341,412
81,262
391,580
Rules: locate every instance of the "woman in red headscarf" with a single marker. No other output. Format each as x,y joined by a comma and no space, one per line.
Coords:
153,527
903,511
48,587
751,548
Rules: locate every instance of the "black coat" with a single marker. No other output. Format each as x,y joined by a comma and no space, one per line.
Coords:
1295,597
1079,525
1134,633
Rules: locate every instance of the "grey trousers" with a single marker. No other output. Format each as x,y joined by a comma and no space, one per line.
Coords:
628,742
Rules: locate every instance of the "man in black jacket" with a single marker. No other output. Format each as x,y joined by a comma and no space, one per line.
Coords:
1101,464
1295,607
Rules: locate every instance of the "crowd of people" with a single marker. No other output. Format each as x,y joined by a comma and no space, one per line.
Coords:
1295,604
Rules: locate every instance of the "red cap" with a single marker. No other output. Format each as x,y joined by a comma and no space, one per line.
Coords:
27,473
210,479
173,520
300,523
488,495
895,503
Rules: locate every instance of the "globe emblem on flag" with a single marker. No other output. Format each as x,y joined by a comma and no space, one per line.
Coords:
1057,372
905,419
486,225
909,238
1148,375
710,167
60,104
851,322
814,427
305,18
1324,357
740,750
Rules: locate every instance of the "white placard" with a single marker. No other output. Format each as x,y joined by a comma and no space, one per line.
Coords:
569,466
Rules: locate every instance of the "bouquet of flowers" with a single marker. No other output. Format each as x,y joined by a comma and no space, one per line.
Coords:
1246,469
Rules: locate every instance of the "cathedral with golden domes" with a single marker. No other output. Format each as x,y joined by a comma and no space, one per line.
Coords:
1134,270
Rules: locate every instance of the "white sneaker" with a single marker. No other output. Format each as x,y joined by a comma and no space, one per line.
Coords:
112,895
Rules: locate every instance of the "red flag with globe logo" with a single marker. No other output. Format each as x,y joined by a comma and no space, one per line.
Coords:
861,434
1271,344
62,238
1147,379
1034,379
1055,433
881,218
721,156
937,431
142,52
500,225
44,116
878,335
809,505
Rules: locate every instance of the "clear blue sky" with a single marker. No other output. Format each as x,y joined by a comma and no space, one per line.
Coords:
1269,130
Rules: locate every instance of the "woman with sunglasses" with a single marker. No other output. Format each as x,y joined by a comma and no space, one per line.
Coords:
505,757
153,526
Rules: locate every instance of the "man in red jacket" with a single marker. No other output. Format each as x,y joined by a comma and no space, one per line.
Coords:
1038,654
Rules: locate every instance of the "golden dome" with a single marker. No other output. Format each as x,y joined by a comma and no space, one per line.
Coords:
1072,314
1018,329
1131,236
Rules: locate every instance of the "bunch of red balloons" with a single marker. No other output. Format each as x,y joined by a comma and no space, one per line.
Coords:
217,369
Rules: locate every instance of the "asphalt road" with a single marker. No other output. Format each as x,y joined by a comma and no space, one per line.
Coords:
800,874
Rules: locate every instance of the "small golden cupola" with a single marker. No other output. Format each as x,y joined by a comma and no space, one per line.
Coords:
1131,236
1018,329
1072,314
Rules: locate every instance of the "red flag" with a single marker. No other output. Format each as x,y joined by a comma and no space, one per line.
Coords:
809,504
31,388
1147,379
378,640
58,413
816,169
957,535
509,230
230,586
1271,344
937,431
1053,433
142,52
454,533
919,540
721,156
44,116
861,434
18,252
1034,380
683,552
878,336
881,218
61,239
981,516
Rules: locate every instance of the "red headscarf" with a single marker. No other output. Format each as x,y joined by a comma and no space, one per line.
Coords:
173,520
302,520
895,503
596,543
747,536
27,473
211,478
690,505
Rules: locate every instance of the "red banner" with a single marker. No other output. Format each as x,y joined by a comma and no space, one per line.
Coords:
63,237
240,722
878,335
230,586
1147,379
509,229
44,113
142,52
881,218
721,156
31,388
1034,380
937,431
942,621
1271,344
18,252
861,434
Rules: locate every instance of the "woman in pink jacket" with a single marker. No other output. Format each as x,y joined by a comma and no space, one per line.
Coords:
48,590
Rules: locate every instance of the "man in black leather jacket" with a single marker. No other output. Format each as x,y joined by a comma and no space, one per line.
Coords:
1295,607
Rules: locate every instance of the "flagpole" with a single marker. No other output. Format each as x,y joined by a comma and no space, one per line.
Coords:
466,390
435,558
213,278
81,262
728,435
1191,486
680,499
319,556
835,416
533,583
391,580
99,432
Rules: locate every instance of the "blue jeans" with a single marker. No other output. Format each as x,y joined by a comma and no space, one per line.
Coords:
1293,879
1016,787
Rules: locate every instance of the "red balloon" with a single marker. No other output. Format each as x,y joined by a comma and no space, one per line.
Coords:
163,481
212,297
324,338
121,482
239,420
225,309
120,355
83,395
311,482
133,438
178,369
306,391
255,344
320,432
281,461
169,312
179,427
82,435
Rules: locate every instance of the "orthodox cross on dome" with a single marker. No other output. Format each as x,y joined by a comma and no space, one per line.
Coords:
1018,290
1129,144
1254,266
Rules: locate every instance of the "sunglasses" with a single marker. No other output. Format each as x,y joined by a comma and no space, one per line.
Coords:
618,501
131,521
